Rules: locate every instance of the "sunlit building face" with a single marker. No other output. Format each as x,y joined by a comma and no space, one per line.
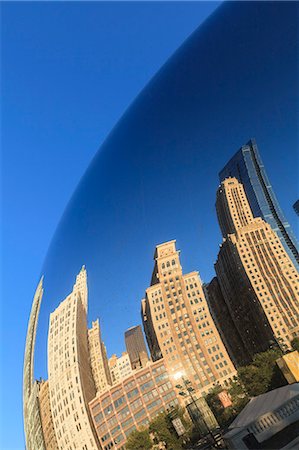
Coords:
182,324
258,278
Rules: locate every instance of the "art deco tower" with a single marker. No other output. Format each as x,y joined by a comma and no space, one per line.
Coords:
179,326
32,419
247,166
257,278
98,358
71,385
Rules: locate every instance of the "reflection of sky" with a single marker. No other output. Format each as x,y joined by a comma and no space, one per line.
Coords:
69,70
155,177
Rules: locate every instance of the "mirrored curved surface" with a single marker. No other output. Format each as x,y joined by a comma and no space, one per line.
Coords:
155,178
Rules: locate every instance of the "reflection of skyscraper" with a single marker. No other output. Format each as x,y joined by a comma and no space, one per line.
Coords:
225,325
246,165
120,367
71,385
32,420
132,403
257,278
296,207
98,358
46,417
181,321
136,347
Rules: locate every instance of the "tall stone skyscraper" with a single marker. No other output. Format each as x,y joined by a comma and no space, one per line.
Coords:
136,347
31,408
178,324
246,165
257,278
225,324
46,416
71,385
98,358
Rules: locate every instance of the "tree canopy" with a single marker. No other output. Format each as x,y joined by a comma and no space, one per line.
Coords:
139,440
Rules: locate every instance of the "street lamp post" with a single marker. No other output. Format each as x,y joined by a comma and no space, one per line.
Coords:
190,392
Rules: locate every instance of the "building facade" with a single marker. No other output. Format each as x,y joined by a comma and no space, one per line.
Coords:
98,358
257,278
181,323
32,420
225,324
46,417
120,367
71,385
296,207
131,404
246,165
136,347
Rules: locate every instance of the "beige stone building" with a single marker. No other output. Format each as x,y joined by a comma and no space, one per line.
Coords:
131,404
98,358
32,420
258,281
71,385
46,417
178,324
120,367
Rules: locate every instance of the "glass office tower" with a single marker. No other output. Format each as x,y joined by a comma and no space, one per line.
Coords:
246,165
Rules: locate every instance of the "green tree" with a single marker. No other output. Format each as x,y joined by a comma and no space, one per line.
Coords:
239,399
163,430
295,343
139,440
263,374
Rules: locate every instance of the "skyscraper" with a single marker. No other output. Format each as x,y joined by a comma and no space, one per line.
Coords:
46,417
225,325
296,207
31,408
120,367
177,318
136,347
71,385
257,278
98,358
246,165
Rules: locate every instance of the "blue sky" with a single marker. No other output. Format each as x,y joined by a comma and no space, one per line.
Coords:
69,71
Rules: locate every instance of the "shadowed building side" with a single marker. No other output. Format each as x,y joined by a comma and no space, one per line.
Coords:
32,420
136,348
225,325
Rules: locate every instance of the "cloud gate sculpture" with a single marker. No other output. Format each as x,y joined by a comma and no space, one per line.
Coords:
150,192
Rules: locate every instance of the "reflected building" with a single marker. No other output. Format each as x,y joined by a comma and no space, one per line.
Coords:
296,207
71,385
136,347
182,325
98,358
120,367
132,403
225,324
46,417
31,408
246,165
257,278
